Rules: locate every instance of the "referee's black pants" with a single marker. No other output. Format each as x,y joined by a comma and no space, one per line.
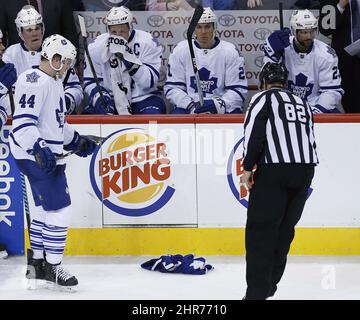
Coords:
276,202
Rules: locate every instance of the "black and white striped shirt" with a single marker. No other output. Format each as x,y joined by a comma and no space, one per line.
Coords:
278,129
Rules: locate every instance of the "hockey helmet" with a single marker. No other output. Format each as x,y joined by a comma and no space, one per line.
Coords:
302,20
208,16
1,34
57,44
273,73
27,17
119,15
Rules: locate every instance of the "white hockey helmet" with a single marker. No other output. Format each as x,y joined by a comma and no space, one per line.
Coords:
302,20
27,17
1,34
119,15
208,16
57,44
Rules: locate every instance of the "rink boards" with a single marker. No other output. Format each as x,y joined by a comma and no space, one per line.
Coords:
170,184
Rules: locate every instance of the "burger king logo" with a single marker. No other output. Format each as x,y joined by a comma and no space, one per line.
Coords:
131,174
235,170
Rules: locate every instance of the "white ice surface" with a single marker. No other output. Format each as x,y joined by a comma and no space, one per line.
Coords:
100,277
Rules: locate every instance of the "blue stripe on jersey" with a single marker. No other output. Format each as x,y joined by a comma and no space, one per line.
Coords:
153,69
236,86
330,87
88,83
151,80
238,92
175,83
23,126
12,137
54,142
26,115
92,79
74,83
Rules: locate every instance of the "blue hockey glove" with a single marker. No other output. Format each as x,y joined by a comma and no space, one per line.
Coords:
83,145
213,105
97,104
7,77
44,157
277,41
320,109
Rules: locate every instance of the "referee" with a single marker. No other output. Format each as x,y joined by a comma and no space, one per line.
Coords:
279,139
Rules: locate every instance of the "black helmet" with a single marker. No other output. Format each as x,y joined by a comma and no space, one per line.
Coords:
273,73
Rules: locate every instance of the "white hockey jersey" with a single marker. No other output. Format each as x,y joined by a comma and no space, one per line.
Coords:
143,82
314,76
221,72
23,59
39,113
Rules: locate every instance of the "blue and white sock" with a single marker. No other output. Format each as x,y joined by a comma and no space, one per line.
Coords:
36,241
54,239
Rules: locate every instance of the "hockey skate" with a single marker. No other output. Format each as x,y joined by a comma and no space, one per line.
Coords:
34,272
58,279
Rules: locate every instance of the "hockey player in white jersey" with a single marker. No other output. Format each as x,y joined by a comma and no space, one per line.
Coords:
27,54
127,63
7,79
39,135
313,65
221,71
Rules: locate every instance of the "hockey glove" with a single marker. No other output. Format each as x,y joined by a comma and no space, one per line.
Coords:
277,42
44,157
83,145
7,77
213,105
98,105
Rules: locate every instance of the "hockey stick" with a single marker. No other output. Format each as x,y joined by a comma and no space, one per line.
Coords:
96,139
22,177
281,20
194,21
84,36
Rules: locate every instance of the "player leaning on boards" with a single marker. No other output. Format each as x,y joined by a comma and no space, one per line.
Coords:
312,64
279,139
221,71
127,63
26,54
39,135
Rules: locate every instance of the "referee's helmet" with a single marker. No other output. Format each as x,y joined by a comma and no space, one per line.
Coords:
273,73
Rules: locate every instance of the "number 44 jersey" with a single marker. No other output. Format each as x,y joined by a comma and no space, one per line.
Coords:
39,113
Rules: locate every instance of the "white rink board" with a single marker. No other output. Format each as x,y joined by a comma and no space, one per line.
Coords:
203,196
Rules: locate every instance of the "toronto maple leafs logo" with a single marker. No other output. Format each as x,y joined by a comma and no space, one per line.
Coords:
301,88
208,85
32,77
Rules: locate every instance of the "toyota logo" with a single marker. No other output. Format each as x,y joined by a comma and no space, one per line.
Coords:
259,61
227,20
262,33
155,21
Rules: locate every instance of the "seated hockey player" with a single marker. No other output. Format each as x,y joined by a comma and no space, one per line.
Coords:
221,71
39,135
26,54
127,64
312,64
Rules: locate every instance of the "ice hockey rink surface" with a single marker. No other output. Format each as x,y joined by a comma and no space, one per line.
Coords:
122,278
